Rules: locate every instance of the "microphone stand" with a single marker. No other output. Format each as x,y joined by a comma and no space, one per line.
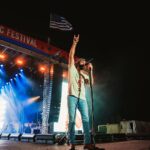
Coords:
92,101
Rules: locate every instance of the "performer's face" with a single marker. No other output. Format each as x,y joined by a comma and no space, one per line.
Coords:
82,64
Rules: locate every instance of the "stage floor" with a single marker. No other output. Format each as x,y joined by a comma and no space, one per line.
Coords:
126,145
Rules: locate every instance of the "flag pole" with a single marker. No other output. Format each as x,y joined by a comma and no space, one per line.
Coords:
49,39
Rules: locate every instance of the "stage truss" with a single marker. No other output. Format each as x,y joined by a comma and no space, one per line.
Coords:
14,47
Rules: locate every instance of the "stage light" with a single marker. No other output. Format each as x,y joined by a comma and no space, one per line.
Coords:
52,69
32,100
2,56
42,68
2,71
21,70
20,61
14,93
1,65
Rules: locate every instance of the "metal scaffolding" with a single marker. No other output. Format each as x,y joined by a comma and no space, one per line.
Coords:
47,93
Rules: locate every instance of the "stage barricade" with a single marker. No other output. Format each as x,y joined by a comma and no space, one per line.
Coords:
109,129
126,127
135,127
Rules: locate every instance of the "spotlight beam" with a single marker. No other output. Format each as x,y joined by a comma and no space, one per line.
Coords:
5,49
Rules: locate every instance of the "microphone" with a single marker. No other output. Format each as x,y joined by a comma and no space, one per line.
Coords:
88,61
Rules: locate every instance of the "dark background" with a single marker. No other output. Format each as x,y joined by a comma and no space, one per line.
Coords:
116,35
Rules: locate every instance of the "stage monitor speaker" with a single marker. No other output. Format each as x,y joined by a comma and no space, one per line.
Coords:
5,136
46,138
15,136
28,137
79,138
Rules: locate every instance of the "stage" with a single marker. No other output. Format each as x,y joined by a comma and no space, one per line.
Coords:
126,145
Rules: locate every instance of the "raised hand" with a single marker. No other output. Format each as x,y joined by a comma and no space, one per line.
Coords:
76,39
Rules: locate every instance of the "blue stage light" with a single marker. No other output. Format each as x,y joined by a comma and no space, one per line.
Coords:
21,70
1,65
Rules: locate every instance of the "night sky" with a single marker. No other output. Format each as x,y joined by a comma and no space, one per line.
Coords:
115,36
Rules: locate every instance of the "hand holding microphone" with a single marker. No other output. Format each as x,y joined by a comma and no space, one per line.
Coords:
90,66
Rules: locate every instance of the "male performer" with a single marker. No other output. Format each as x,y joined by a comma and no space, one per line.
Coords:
77,78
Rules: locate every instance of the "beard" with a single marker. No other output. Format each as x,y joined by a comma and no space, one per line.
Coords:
81,67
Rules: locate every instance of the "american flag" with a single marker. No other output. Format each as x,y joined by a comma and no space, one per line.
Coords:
58,22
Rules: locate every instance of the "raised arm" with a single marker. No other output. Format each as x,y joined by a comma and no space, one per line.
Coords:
73,49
